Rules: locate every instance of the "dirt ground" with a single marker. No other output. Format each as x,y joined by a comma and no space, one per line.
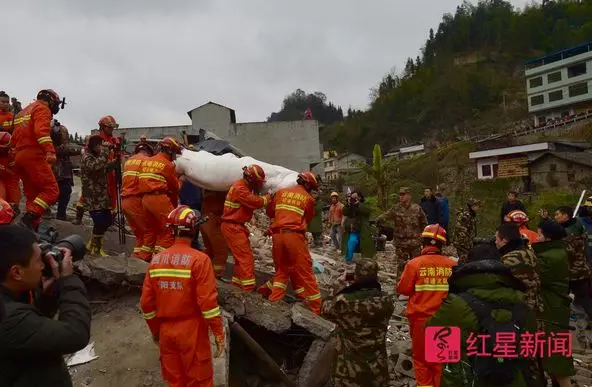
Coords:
127,354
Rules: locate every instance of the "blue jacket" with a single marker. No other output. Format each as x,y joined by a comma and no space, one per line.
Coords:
445,211
191,195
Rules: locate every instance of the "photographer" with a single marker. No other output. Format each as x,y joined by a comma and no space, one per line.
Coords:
357,237
32,343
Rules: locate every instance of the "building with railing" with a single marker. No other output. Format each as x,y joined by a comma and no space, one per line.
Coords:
559,85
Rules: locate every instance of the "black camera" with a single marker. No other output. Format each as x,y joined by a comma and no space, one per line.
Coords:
484,241
74,243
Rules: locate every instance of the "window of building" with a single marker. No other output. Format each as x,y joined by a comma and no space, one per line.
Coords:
553,167
571,176
578,89
486,171
556,95
535,82
537,100
576,70
554,77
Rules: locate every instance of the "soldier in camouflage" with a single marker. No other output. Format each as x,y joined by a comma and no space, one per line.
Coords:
93,170
409,221
361,312
520,258
466,229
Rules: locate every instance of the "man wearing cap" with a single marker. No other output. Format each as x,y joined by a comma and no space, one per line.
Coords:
361,312
466,229
335,220
409,221
510,205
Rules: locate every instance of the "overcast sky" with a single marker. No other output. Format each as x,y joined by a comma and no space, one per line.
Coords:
147,62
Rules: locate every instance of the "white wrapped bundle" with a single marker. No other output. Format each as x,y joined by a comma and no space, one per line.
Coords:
218,173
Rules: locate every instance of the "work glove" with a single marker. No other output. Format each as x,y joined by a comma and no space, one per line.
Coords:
50,157
219,346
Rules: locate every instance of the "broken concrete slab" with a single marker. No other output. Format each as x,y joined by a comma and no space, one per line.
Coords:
135,271
306,376
109,271
405,365
221,364
316,325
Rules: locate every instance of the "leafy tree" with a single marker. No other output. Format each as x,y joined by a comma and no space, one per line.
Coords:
295,105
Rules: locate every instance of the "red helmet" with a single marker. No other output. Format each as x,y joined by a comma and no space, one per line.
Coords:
182,218
6,212
171,144
52,98
143,147
5,139
517,216
109,122
309,180
254,174
435,232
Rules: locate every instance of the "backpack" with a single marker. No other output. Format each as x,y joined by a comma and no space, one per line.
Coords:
490,370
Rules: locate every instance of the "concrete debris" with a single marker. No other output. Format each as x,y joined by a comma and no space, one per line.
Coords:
306,319
221,365
114,270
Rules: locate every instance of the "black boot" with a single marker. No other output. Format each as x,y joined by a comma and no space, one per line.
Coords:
79,215
28,220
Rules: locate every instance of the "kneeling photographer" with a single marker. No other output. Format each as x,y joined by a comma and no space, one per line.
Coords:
32,343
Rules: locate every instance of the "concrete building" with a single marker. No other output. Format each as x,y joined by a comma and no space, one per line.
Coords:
559,85
292,144
514,161
561,169
339,166
406,152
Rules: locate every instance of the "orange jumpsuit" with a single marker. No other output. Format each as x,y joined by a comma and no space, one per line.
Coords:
9,180
31,142
6,121
111,179
291,210
528,234
213,207
239,206
425,281
179,302
159,187
131,203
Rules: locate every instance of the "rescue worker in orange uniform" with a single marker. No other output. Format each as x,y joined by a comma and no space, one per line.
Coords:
34,154
131,199
521,219
425,281
9,180
159,186
212,206
106,126
179,302
291,210
239,206
5,114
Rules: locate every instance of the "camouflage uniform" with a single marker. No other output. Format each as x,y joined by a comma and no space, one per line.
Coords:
361,312
93,171
409,222
523,264
464,233
576,249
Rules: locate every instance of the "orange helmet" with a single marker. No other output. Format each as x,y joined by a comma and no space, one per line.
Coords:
516,216
6,212
4,139
435,232
182,218
109,122
143,147
254,174
171,144
308,180
52,98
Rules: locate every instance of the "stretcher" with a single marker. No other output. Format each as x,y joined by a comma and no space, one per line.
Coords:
218,173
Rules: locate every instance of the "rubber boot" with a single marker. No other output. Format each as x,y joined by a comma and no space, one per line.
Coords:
28,220
98,246
79,215
90,244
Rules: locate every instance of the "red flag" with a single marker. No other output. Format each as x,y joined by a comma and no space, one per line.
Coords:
308,114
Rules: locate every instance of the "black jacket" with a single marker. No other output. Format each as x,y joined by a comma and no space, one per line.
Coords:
432,209
32,343
511,206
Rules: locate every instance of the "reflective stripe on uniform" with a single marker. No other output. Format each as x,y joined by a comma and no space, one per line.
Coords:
149,316
20,120
230,204
43,140
130,173
287,207
280,285
147,249
299,291
243,282
41,203
219,267
177,273
158,249
423,288
212,312
264,200
137,249
314,297
151,176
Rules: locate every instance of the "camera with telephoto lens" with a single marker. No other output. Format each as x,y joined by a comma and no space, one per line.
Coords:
74,243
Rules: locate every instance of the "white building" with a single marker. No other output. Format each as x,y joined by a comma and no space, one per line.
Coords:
406,152
341,165
560,85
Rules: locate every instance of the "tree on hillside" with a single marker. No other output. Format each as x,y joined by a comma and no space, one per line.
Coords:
378,173
295,105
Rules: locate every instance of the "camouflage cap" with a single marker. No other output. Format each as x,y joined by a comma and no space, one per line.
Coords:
366,267
474,202
405,190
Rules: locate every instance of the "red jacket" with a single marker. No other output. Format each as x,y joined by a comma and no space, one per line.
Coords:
157,175
291,209
32,128
180,284
6,121
213,202
241,202
425,281
130,182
